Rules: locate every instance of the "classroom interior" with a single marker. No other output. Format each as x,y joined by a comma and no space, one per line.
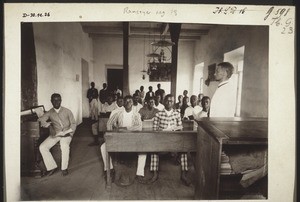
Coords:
64,57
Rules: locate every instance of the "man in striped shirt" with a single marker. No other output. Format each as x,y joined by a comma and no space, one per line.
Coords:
168,119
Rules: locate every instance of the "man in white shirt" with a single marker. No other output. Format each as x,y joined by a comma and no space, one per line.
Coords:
191,111
125,119
158,105
136,105
223,102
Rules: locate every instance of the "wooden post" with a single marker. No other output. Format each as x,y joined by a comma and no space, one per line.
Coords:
125,58
174,32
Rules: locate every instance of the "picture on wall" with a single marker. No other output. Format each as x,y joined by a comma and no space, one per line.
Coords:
160,72
211,72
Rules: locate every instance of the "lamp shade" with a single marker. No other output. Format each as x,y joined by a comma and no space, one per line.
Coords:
162,43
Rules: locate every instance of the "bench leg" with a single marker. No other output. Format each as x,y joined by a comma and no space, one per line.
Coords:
108,185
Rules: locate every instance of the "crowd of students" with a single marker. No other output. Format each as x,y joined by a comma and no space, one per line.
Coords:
117,113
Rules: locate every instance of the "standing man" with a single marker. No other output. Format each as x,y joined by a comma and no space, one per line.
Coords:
103,93
150,93
142,93
160,92
223,102
168,120
62,127
92,95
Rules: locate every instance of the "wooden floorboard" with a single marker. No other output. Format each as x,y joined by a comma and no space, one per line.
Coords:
86,178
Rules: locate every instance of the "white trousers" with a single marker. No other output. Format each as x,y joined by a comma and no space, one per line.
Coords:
94,109
65,151
141,161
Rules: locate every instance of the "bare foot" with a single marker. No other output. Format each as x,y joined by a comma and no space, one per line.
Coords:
185,180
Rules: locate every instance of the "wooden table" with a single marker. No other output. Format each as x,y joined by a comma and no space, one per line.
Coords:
149,141
213,135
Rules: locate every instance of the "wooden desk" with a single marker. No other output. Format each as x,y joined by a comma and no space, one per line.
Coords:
149,141
213,135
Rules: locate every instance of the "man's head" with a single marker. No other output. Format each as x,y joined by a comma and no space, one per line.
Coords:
56,100
185,100
110,99
136,98
200,96
185,92
150,88
150,103
141,88
205,103
104,85
180,97
92,84
158,86
120,101
193,100
169,102
157,99
128,102
223,71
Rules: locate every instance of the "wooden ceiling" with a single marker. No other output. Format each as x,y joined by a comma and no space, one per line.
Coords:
144,30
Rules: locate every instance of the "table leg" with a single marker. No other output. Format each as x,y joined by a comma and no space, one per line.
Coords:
108,185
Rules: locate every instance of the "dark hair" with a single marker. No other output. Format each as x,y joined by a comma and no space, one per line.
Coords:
92,83
55,95
127,97
228,68
204,98
167,96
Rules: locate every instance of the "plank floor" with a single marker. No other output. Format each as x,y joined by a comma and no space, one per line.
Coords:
86,178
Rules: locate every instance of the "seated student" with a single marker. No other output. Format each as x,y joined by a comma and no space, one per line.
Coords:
179,103
205,103
185,105
136,105
125,119
106,109
168,120
119,102
200,96
191,111
148,112
158,105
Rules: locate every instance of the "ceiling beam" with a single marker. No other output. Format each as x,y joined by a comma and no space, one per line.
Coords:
139,36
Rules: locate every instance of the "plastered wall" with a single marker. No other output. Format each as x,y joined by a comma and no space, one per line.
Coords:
109,51
222,39
59,49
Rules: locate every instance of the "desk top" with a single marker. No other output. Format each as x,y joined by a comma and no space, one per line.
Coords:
237,130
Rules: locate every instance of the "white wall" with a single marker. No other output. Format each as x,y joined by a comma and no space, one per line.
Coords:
222,39
59,49
109,51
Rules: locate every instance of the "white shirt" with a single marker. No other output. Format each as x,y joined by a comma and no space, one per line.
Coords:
160,107
108,108
223,102
116,110
127,118
192,111
137,107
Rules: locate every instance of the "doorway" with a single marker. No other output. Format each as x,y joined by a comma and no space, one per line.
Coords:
114,79
85,86
198,79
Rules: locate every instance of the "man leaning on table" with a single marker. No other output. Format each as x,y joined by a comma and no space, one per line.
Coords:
62,127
